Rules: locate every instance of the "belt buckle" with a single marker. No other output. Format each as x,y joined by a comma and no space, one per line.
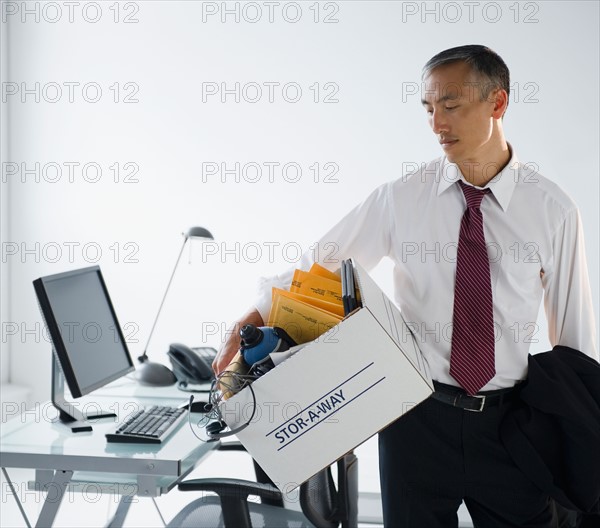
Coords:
482,398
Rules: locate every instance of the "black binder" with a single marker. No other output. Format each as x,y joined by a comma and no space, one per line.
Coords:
348,287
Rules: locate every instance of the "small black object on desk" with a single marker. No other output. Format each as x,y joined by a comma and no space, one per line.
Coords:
197,407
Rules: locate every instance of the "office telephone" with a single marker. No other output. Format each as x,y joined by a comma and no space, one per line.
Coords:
191,365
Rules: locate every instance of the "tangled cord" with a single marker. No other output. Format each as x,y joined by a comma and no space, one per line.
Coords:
227,382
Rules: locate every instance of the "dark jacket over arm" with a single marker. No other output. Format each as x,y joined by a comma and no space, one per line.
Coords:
553,431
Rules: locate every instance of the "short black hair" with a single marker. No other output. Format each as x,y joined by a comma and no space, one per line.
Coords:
484,62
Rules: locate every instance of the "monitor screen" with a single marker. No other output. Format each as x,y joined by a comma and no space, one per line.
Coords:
84,329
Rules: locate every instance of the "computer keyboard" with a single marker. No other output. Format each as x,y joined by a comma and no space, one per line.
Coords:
147,426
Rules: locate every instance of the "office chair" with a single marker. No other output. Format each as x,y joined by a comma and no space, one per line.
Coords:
324,505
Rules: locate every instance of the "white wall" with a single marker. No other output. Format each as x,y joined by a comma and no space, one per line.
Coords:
372,56
4,365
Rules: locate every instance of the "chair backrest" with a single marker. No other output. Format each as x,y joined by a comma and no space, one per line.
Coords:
328,506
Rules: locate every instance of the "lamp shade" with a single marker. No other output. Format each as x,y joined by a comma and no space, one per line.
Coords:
198,232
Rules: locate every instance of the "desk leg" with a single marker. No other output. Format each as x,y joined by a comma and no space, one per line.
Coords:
14,494
122,510
58,486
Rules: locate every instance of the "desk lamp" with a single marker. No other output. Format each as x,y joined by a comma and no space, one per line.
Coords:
156,374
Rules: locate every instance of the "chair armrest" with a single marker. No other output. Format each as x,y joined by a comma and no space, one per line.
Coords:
234,488
261,476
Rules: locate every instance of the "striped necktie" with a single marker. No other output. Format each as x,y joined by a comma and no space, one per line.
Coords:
472,361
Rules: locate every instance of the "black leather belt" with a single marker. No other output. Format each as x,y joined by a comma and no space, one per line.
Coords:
457,397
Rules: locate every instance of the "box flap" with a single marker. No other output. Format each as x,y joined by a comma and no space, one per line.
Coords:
390,318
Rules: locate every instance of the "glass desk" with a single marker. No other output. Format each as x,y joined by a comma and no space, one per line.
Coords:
75,461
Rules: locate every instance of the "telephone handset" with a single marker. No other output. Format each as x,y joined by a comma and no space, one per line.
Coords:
191,365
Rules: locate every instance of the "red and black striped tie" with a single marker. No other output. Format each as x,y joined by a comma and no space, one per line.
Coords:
472,361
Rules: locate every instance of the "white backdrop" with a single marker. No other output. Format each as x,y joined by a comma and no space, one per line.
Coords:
265,122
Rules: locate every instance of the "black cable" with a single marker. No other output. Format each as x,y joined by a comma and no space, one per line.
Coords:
214,415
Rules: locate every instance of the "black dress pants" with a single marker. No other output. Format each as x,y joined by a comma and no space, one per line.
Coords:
437,455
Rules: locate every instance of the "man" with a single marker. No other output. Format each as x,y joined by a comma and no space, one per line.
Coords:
476,240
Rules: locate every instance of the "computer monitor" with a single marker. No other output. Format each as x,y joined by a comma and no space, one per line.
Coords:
86,336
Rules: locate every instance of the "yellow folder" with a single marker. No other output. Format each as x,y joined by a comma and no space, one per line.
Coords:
317,269
316,286
331,307
300,320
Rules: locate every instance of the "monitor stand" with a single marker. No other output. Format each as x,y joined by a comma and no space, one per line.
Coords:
68,415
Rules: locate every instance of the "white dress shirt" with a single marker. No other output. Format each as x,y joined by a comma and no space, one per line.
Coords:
535,244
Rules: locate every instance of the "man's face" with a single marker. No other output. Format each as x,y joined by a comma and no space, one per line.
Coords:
462,123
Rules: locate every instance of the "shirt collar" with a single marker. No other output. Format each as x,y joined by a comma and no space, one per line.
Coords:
502,185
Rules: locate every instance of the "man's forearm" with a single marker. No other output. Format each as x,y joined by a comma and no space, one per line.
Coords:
232,345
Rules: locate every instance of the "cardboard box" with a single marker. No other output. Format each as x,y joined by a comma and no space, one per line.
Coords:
334,394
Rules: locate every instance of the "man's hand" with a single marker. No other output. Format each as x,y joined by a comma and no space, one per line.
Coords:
232,345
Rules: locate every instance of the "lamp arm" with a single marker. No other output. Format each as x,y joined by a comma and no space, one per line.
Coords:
144,356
